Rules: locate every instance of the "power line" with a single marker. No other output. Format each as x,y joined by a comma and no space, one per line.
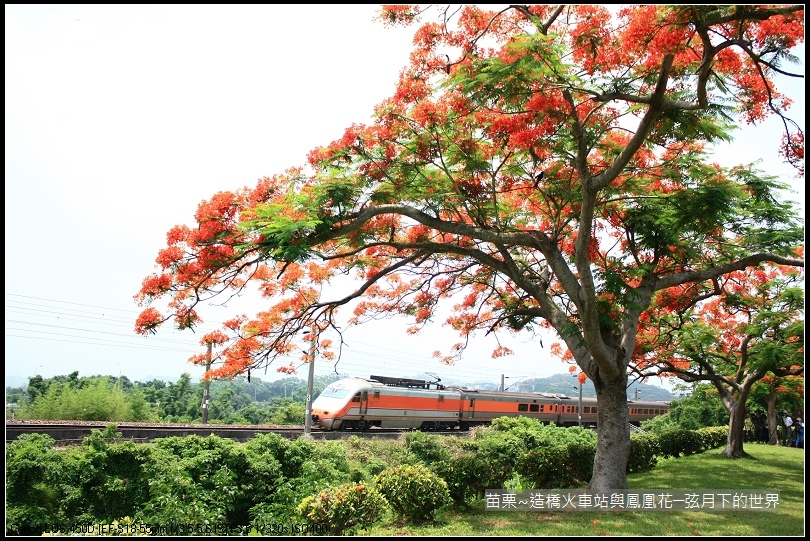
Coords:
98,343
357,357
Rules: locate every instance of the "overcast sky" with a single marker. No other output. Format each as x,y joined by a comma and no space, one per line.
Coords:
120,120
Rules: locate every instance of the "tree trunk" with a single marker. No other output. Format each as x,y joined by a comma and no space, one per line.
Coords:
736,431
613,438
773,435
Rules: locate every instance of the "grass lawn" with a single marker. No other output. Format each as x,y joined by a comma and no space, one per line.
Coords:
768,468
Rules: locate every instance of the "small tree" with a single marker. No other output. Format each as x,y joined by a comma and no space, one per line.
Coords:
414,492
752,326
344,508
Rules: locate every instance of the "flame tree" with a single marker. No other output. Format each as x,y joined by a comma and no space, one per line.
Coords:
748,325
536,167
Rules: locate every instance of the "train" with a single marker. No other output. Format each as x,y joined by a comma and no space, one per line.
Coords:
402,403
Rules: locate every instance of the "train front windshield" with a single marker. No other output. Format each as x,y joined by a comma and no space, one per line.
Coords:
333,391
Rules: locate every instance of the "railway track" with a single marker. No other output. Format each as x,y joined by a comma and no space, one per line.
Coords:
73,432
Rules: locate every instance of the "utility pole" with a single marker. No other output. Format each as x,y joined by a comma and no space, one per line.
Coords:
636,393
502,381
579,408
206,386
308,419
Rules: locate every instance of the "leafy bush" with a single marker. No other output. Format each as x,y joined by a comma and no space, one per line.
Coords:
33,472
542,467
217,474
703,408
578,466
558,465
713,437
680,442
295,455
467,475
644,451
180,495
114,478
260,480
426,447
344,508
268,445
376,455
414,492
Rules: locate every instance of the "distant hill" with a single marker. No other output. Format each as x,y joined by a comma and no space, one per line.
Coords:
563,384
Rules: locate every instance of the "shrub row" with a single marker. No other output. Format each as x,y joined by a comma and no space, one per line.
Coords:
346,485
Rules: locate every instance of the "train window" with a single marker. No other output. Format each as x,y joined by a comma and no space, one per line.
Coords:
356,398
523,407
340,393
646,411
376,394
593,409
534,407
586,409
472,402
365,395
327,392
542,407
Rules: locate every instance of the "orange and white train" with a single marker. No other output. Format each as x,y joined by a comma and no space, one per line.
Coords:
386,402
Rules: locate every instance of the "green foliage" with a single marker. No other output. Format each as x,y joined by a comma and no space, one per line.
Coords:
36,387
230,477
287,412
114,479
712,437
89,399
501,450
521,450
295,455
179,400
197,481
413,491
543,467
558,466
375,454
99,439
175,496
468,475
237,401
513,441
344,508
644,451
700,409
33,470
680,442
426,447
268,446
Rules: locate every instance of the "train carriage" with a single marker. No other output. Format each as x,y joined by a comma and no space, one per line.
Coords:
386,402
